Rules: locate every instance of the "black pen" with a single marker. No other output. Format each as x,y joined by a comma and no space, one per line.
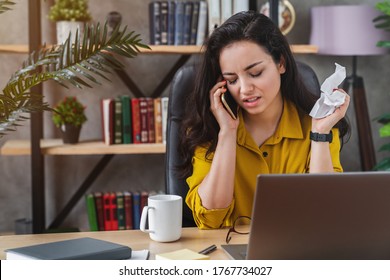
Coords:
208,250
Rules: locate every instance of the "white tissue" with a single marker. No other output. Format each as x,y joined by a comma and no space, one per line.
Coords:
330,100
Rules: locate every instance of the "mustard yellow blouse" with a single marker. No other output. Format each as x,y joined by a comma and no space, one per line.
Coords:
287,151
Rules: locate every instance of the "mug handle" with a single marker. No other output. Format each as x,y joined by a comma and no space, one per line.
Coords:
143,219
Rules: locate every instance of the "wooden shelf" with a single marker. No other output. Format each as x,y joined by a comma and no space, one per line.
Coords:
302,49
14,48
161,49
56,147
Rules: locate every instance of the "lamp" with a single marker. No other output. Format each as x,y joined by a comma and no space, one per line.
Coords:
348,30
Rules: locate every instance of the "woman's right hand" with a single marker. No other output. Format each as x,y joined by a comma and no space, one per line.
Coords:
222,116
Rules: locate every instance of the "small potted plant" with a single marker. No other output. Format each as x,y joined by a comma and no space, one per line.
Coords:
69,116
69,16
383,22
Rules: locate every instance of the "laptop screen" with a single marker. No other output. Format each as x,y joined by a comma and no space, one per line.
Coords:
321,216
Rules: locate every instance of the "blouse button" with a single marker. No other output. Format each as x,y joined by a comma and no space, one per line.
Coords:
265,154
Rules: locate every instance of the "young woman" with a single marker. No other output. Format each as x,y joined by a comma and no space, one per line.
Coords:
249,56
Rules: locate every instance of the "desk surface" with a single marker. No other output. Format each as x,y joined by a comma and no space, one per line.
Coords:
192,238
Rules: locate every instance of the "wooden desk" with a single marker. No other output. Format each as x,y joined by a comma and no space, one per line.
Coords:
192,238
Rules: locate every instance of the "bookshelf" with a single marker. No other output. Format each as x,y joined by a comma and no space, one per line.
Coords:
94,147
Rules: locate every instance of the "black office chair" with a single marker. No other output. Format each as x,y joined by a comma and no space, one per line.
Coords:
182,84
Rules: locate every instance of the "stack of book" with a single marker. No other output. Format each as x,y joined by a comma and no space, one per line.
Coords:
221,10
128,120
178,22
119,210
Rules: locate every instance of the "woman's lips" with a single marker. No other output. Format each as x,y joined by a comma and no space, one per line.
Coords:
252,101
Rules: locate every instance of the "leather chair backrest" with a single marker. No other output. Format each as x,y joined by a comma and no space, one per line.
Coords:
182,84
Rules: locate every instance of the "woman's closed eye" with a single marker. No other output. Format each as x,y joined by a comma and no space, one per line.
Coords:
257,74
231,82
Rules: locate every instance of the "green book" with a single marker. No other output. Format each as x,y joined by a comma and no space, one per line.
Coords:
91,211
120,208
118,121
126,120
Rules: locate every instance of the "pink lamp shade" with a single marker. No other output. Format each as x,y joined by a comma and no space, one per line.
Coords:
346,30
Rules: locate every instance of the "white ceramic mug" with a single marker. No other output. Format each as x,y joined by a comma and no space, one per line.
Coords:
164,213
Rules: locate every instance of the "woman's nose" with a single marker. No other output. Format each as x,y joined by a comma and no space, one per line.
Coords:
246,87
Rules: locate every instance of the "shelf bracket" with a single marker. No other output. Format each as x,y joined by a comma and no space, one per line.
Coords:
81,190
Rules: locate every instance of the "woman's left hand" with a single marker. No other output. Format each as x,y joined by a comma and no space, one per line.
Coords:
326,124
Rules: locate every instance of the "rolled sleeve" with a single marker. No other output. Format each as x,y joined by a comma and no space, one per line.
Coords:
204,218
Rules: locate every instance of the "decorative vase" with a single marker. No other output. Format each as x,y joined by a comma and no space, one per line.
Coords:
64,27
70,133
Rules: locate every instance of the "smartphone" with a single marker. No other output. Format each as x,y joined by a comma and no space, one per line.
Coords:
230,104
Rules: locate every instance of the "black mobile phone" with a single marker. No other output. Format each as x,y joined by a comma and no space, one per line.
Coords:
230,104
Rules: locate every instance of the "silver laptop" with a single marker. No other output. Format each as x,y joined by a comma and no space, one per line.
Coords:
319,216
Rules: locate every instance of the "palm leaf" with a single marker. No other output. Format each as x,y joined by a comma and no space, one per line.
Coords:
4,4
73,63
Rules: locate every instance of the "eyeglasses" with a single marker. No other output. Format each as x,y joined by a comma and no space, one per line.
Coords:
240,220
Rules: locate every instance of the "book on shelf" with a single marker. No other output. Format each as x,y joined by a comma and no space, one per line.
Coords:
126,120
136,209
171,22
118,121
99,207
164,22
157,120
128,206
226,10
164,117
141,120
202,23
136,121
154,22
151,121
240,5
177,22
107,105
92,213
85,248
188,10
214,15
110,211
194,22
120,209
143,109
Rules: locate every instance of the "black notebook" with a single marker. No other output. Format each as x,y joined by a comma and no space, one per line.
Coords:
73,249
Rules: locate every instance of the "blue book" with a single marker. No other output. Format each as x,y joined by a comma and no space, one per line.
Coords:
179,23
188,9
74,249
136,209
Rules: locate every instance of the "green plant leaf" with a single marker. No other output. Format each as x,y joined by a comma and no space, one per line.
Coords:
384,131
4,4
383,119
385,147
383,165
72,63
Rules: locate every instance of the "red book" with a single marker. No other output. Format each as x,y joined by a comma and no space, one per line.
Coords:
144,199
143,109
114,211
99,205
136,122
128,203
150,121
107,211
